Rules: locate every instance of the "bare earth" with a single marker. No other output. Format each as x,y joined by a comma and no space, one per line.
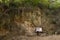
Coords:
53,37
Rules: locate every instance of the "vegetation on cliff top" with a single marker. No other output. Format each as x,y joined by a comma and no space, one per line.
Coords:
49,3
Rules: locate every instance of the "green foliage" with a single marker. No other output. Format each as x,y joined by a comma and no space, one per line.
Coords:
30,2
49,3
44,2
26,2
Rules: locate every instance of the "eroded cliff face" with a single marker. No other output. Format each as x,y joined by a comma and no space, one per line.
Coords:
23,21
36,17
30,19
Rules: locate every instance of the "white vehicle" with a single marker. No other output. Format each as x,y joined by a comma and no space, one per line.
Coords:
38,29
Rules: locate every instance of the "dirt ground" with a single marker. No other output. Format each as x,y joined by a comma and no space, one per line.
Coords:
53,37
